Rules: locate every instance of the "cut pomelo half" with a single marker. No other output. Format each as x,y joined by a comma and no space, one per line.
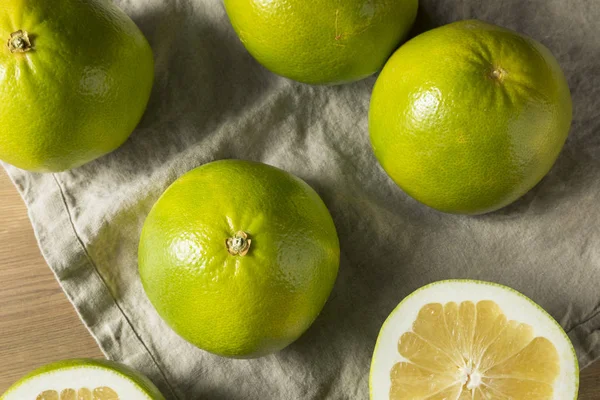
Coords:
472,340
83,380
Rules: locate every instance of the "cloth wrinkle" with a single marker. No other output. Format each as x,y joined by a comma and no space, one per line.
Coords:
93,264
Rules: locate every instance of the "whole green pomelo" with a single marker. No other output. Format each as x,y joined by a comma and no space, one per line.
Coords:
468,117
320,41
75,78
239,257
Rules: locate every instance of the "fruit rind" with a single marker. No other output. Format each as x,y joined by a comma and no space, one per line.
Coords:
140,381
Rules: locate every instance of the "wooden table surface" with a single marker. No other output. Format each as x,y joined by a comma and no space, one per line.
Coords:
38,325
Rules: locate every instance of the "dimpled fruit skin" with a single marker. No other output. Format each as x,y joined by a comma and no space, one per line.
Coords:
322,41
140,380
455,136
82,89
239,306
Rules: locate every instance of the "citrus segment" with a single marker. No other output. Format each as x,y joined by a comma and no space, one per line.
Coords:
512,337
48,395
490,322
449,393
101,393
460,348
511,388
423,354
412,380
84,394
105,393
431,326
538,361
68,394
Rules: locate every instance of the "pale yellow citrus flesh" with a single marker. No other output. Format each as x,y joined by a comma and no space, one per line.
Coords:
99,393
472,351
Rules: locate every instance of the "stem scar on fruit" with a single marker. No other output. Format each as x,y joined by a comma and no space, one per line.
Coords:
239,244
498,74
19,42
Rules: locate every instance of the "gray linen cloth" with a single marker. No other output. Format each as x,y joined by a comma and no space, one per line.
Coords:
211,100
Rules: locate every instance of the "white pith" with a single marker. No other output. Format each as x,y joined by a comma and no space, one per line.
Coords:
470,377
514,305
76,378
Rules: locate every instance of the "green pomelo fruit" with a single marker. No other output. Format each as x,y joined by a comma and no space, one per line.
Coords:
468,117
322,42
75,78
239,257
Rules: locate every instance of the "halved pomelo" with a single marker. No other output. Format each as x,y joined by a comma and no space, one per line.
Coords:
83,380
472,340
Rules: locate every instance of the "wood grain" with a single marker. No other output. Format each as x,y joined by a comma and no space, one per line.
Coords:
38,324
590,383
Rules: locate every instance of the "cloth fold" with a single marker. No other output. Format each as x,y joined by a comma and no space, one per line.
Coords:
211,100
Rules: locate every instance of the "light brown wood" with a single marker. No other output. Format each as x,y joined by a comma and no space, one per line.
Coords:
38,324
590,383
